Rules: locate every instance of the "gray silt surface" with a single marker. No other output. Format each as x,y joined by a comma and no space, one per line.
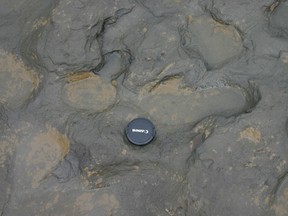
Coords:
211,75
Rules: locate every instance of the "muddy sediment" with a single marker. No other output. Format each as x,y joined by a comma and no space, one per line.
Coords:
211,75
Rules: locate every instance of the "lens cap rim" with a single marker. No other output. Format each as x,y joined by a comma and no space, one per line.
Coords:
148,126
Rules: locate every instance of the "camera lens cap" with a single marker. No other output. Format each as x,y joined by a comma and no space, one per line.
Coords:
140,131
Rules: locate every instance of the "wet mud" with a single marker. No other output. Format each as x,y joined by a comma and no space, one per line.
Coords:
211,75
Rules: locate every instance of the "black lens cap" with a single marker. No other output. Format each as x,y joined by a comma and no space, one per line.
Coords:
140,131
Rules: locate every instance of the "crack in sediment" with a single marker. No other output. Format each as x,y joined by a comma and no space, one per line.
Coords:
28,44
100,35
270,8
275,189
141,4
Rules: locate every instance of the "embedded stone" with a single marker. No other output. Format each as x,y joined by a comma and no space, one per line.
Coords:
284,57
252,134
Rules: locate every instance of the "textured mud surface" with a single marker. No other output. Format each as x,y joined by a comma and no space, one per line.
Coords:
212,75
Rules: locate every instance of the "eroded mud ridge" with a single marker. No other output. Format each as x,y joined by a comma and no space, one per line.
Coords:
212,76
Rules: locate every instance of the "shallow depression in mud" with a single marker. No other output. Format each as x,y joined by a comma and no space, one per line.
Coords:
169,102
